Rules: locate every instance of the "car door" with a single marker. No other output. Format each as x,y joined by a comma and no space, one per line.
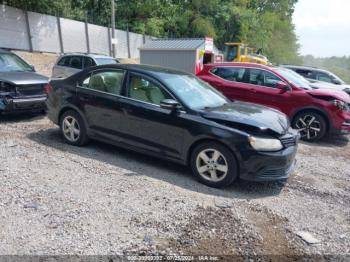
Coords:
98,96
150,127
230,82
262,85
59,69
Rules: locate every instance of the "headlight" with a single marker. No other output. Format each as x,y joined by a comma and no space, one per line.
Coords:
265,144
341,105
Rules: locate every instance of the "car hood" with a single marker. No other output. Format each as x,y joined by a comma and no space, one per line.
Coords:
247,116
328,93
323,85
23,78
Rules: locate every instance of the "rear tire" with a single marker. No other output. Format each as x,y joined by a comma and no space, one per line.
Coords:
214,165
311,125
73,128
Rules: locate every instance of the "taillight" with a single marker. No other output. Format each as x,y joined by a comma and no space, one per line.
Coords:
48,88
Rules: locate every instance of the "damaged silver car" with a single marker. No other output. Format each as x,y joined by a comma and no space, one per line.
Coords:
21,88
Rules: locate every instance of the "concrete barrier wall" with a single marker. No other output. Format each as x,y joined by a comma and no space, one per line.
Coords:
13,30
98,39
73,36
31,31
44,32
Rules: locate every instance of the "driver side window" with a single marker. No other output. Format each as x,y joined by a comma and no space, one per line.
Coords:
144,90
323,77
263,78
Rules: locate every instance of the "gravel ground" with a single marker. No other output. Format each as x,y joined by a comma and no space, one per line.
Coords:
58,199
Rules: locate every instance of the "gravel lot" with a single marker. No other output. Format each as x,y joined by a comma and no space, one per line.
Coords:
99,199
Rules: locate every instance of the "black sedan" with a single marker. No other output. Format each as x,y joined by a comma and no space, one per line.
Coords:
174,116
21,89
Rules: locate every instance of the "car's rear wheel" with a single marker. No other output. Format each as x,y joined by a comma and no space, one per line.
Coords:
73,128
214,165
311,125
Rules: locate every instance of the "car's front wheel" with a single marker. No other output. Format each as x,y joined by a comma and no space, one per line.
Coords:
73,128
311,125
214,165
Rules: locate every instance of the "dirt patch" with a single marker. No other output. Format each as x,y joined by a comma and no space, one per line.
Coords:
223,233
277,244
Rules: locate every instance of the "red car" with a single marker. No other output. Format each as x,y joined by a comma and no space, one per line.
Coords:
315,113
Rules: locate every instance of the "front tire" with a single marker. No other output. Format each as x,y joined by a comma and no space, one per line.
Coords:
73,128
214,165
311,125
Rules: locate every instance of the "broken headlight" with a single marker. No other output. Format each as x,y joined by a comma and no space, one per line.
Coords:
341,105
6,87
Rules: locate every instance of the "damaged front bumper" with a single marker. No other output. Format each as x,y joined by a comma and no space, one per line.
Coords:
22,104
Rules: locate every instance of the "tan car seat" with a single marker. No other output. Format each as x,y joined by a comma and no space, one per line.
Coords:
97,83
137,91
113,83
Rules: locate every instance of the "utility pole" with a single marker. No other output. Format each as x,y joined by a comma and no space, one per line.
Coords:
113,29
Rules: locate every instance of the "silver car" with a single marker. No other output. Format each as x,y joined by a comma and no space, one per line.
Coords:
70,64
319,78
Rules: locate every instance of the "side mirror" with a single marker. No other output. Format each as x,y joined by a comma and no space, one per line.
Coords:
33,68
282,86
336,82
169,104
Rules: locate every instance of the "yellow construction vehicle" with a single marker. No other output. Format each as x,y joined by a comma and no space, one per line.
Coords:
239,52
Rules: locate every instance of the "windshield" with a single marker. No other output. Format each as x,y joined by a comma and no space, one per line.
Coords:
106,61
231,53
12,63
193,92
294,78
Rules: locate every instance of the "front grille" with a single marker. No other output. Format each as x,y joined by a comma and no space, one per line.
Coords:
289,141
29,90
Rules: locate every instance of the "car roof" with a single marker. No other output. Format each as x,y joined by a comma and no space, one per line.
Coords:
239,64
142,68
305,68
92,55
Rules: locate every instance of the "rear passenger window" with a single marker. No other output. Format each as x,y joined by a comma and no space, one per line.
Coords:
305,73
76,62
108,81
235,74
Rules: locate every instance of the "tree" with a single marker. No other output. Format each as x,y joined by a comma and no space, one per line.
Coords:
263,24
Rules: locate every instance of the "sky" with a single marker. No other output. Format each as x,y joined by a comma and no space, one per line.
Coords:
323,27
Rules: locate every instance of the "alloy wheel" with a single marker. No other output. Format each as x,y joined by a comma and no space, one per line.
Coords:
71,129
308,126
212,165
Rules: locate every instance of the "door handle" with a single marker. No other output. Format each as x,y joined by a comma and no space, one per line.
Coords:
84,99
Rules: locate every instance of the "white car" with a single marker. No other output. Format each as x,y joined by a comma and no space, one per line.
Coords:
70,64
319,78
